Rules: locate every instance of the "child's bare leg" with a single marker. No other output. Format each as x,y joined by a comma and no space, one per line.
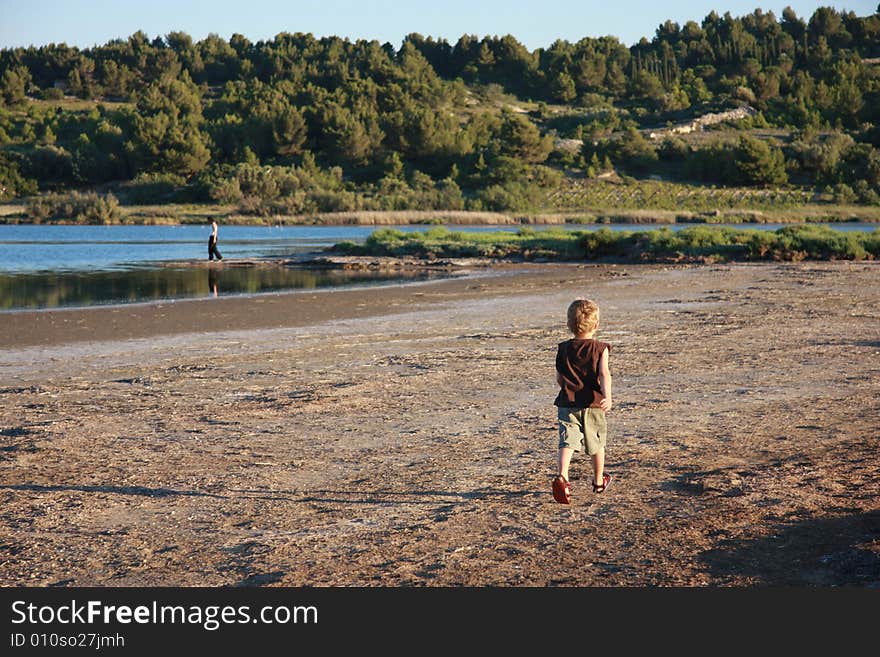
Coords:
565,454
598,466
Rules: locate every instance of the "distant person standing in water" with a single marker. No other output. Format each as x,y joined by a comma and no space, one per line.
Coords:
212,243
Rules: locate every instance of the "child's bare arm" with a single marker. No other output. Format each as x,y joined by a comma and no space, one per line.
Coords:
605,381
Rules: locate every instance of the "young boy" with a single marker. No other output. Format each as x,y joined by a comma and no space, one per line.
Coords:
585,394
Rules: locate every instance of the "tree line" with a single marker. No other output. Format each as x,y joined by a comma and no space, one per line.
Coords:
302,124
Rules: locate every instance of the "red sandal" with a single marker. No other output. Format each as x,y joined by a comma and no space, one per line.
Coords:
561,490
600,488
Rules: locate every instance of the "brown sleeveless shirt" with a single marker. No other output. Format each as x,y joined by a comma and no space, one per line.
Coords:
577,362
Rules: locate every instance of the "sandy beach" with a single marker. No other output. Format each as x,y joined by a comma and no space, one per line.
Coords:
405,435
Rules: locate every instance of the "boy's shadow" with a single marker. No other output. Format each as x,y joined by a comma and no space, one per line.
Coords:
388,497
813,552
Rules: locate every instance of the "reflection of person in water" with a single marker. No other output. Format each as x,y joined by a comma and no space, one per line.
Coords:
212,243
212,281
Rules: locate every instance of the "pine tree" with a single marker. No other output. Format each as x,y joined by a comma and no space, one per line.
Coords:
758,163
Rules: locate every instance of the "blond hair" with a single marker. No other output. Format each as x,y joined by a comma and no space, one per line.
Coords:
583,316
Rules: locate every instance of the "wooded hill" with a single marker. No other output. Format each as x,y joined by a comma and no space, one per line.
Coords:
303,125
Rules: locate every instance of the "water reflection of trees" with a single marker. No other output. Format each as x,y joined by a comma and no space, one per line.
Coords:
52,290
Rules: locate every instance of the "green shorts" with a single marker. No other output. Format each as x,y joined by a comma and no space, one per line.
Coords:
582,429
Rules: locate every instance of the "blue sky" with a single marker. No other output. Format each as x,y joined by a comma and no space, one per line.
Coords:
535,23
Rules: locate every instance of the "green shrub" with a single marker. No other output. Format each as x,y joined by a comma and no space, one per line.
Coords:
52,93
695,244
605,243
75,207
843,194
821,242
154,188
12,183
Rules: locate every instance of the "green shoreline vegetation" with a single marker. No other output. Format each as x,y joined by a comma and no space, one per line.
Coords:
734,119
692,244
91,208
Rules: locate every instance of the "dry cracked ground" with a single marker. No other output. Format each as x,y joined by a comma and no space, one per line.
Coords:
415,445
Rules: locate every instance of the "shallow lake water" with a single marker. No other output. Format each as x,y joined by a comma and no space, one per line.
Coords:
49,266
